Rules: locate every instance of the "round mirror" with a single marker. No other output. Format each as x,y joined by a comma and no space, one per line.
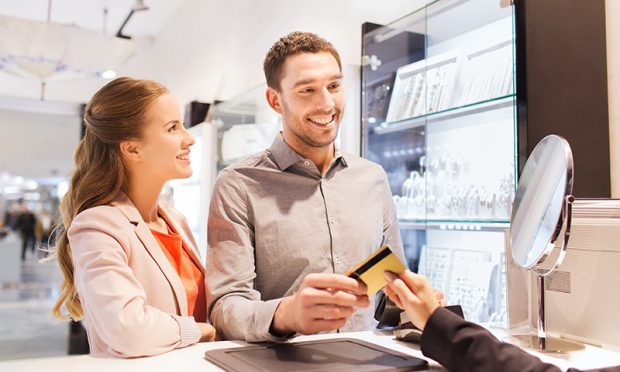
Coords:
539,215
540,226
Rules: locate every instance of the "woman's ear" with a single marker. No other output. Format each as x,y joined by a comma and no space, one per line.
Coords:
130,150
273,98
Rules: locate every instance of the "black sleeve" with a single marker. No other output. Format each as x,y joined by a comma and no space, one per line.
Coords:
463,346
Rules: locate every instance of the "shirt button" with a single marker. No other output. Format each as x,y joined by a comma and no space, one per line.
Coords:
331,219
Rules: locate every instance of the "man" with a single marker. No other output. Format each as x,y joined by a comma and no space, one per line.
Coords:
284,225
26,222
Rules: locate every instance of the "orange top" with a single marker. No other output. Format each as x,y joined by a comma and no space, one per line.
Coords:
192,278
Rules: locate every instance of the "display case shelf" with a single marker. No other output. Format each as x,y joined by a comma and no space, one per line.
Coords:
456,225
451,113
438,113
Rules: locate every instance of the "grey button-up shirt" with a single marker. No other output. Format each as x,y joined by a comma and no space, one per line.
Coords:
274,219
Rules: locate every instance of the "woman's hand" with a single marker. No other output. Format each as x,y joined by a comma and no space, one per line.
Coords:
412,293
207,332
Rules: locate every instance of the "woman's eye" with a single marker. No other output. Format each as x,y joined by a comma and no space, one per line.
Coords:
172,128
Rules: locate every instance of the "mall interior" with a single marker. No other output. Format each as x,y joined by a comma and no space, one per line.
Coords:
449,97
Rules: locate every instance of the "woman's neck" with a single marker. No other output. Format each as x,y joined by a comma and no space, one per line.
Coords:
144,195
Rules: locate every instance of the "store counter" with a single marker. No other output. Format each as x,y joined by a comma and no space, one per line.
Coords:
192,358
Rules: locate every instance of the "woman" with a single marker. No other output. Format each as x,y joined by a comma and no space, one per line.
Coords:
130,265
455,343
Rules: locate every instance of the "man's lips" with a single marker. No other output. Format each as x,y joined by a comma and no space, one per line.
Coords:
322,120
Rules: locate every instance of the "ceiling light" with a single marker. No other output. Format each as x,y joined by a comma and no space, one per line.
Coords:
140,5
50,51
108,74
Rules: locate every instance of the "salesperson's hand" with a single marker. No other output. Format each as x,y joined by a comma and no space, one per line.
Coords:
412,293
324,302
207,332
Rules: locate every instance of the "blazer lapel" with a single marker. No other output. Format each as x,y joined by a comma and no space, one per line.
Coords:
152,246
183,230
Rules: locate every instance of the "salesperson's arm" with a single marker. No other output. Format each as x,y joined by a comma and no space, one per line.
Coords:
455,343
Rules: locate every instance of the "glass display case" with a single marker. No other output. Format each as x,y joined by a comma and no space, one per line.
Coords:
235,129
438,113
245,124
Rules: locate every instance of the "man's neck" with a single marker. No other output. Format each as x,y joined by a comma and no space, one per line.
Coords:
321,156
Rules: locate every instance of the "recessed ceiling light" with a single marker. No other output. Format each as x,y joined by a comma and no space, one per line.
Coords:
108,74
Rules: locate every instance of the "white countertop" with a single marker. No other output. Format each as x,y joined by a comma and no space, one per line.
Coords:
192,357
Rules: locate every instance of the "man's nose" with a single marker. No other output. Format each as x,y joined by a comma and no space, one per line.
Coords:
325,101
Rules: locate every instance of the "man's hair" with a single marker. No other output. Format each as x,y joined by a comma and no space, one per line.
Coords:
291,44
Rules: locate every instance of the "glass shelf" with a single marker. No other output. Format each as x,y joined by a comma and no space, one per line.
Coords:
439,115
456,225
451,113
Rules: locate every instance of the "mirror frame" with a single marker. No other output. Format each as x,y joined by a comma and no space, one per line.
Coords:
564,221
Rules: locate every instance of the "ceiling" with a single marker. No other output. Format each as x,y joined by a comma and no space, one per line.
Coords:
37,139
90,14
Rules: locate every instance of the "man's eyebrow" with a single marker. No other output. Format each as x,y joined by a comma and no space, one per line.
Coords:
308,81
303,82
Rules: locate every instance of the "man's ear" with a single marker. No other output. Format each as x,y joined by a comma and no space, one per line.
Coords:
130,150
273,98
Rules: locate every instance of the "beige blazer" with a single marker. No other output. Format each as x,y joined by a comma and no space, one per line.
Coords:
134,301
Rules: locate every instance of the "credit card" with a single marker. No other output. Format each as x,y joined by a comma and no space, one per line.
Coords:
370,272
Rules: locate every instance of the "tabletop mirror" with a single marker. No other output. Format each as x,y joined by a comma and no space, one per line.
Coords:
540,226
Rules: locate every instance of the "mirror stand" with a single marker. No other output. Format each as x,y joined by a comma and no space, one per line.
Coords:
540,341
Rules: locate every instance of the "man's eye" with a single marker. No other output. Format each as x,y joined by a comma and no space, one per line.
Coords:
334,86
307,90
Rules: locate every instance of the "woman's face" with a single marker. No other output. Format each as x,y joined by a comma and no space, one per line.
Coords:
164,147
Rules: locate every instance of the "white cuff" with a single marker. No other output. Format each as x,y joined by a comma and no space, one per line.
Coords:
188,330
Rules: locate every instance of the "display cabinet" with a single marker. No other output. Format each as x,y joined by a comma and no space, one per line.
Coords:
439,114
234,129
245,125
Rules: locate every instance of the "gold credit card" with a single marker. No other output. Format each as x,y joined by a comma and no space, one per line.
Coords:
370,272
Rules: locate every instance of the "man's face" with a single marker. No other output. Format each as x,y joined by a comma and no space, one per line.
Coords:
310,100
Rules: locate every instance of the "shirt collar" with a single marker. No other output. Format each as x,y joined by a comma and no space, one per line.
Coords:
285,156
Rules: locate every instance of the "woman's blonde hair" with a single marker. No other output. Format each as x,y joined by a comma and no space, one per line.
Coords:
116,113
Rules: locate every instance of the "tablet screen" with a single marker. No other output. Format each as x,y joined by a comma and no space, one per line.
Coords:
327,355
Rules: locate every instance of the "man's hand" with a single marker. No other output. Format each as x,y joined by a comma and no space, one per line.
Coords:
324,302
412,293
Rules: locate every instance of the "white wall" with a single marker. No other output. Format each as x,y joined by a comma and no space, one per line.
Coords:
613,68
215,49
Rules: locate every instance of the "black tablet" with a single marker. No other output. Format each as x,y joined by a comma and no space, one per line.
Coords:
342,354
